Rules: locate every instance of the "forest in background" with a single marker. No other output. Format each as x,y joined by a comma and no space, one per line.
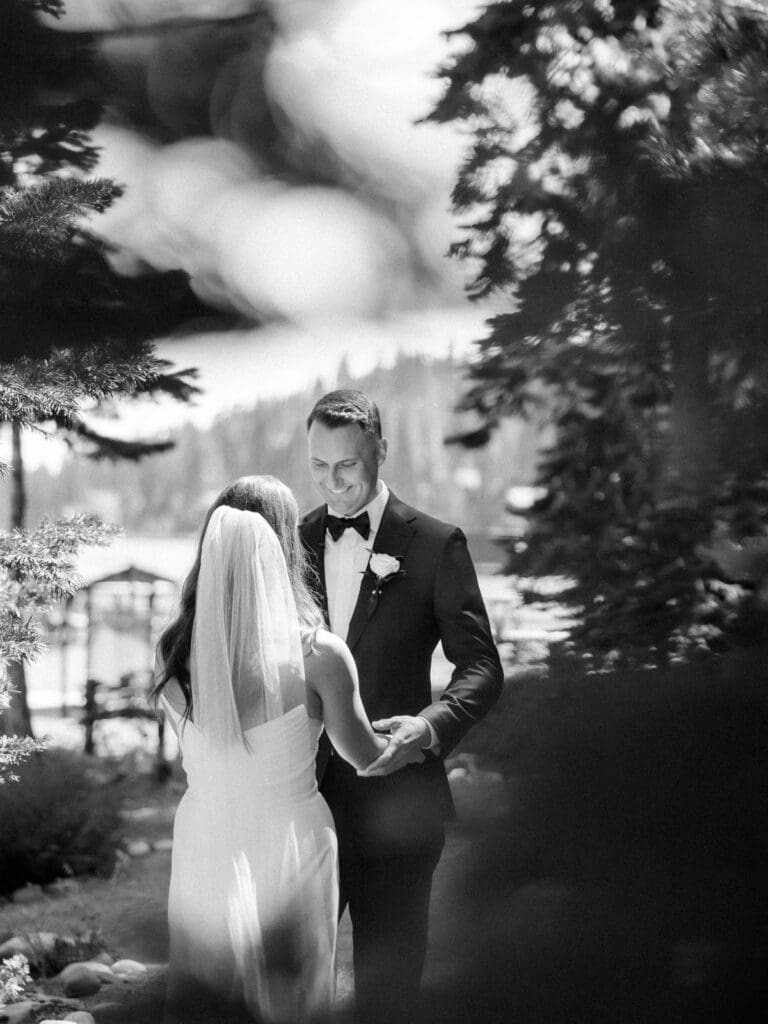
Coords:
167,494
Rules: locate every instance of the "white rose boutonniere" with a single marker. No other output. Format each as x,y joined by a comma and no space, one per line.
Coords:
381,569
383,566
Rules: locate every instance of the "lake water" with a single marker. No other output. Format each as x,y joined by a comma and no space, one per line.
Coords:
124,635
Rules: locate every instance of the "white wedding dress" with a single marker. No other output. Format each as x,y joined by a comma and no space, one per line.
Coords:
253,898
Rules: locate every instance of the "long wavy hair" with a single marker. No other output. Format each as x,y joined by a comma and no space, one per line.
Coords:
270,497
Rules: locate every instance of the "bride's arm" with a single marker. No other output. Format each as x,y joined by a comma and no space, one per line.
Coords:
331,675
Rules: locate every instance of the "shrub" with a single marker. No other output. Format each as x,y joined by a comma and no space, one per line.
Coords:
14,978
59,819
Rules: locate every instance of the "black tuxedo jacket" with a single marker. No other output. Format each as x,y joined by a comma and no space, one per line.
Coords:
393,633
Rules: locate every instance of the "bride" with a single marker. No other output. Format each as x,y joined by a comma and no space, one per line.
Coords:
248,677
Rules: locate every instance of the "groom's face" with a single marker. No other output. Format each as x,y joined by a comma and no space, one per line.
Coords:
344,463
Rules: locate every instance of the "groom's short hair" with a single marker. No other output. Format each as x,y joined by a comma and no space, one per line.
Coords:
345,406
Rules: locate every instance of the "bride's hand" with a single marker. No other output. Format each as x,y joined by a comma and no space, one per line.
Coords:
408,736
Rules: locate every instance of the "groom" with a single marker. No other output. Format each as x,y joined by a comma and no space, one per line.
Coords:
393,582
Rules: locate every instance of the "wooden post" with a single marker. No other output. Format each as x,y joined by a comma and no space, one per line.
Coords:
161,769
89,631
63,653
90,713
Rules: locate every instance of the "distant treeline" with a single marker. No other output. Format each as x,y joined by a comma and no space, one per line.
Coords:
167,494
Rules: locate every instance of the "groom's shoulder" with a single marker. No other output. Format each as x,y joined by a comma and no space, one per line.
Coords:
312,517
422,522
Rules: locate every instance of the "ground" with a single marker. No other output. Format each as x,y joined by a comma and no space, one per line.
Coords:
613,872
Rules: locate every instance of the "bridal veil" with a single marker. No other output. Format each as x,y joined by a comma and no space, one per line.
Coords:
253,897
246,661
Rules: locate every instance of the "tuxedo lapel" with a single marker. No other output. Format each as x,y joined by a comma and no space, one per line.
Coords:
392,538
313,536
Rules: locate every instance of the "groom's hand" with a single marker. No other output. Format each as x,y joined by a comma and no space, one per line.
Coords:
408,737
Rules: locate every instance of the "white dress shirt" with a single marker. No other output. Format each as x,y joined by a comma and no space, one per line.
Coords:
346,560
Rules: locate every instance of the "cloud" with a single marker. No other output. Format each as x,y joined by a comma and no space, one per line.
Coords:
285,171
359,76
307,253
248,241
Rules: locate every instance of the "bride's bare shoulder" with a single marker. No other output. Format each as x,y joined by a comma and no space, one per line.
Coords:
330,659
326,642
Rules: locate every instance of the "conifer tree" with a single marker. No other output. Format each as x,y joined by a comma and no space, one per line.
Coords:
617,193
74,332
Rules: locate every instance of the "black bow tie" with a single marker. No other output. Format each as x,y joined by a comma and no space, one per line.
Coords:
336,525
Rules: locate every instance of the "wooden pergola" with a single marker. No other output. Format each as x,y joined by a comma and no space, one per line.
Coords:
138,581
141,587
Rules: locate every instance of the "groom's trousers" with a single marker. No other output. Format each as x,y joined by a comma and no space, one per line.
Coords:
387,856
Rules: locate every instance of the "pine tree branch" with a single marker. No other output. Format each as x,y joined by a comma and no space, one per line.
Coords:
40,560
102,446
176,384
37,223
55,388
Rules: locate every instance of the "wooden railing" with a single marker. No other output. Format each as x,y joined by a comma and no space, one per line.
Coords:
127,699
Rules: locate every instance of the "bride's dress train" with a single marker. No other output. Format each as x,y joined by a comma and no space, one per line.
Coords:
254,894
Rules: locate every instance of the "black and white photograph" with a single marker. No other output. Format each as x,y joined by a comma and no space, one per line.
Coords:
383,511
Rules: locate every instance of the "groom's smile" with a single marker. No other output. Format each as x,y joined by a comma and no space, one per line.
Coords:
344,462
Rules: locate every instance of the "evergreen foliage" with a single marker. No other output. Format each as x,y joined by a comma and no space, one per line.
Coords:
36,570
74,332
617,192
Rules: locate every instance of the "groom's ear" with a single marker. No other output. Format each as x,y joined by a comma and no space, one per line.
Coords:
381,452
